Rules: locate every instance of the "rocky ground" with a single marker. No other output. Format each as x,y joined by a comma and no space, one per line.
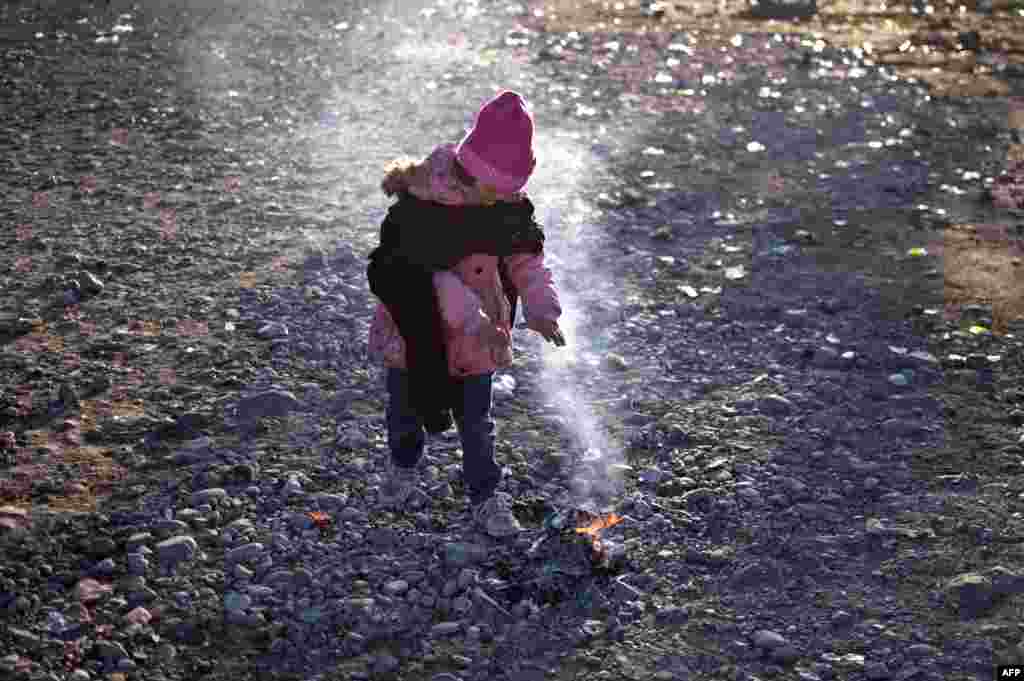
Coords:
782,265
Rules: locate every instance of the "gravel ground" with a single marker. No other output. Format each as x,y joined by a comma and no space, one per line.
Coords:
817,461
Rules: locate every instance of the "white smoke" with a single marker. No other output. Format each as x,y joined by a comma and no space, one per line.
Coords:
569,226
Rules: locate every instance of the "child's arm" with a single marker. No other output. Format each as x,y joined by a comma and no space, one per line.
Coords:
536,288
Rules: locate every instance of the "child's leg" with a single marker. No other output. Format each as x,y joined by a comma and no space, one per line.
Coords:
406,436
476,429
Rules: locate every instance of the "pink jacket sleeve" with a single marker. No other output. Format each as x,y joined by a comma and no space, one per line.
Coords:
461,308
535,285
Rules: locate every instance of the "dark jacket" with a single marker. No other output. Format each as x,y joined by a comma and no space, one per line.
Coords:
418,238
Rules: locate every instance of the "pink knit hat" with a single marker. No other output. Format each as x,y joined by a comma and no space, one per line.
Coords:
499,149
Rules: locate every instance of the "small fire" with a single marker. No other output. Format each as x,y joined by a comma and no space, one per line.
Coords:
600,523
321,520
597,524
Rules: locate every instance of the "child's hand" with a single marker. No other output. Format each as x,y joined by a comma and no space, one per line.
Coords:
549,329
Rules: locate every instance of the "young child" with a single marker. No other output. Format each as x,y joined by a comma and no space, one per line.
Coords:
457,249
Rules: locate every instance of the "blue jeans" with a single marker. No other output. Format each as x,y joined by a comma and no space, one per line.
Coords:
407,436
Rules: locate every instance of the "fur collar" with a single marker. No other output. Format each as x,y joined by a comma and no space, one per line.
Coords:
434,179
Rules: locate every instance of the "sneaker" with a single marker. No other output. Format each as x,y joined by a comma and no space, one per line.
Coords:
398,484
494,516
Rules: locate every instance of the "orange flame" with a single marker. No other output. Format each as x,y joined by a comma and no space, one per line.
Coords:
600,523
321,520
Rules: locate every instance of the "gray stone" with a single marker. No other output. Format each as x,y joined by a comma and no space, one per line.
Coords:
258,591
463,554
273,330
351,514
626,592
827,358
970,593
841,618
210,496
896,427
793,487
786,654
302,578
282,577
132,544
330,501
396,587
236,601
244,553
671,616
109,651
89,283
920,651
698,500
268,403
461,605
300,522
775,405
166,528
763,638
1005,582
385,664
756,574
653,475
445,628
24,638
143,595
137,564
292,487
105,566
176,549
414,576
245,619
194,451
876,671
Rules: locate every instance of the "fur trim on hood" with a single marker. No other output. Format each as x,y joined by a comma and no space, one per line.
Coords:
435,179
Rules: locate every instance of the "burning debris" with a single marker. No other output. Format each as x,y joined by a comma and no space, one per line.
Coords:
574,556
583,528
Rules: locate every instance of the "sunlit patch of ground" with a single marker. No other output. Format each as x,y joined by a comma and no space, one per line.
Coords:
984,263
934,46
97,473
939,46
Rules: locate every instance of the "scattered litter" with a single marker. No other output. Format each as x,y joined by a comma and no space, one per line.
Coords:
689,291
737,272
